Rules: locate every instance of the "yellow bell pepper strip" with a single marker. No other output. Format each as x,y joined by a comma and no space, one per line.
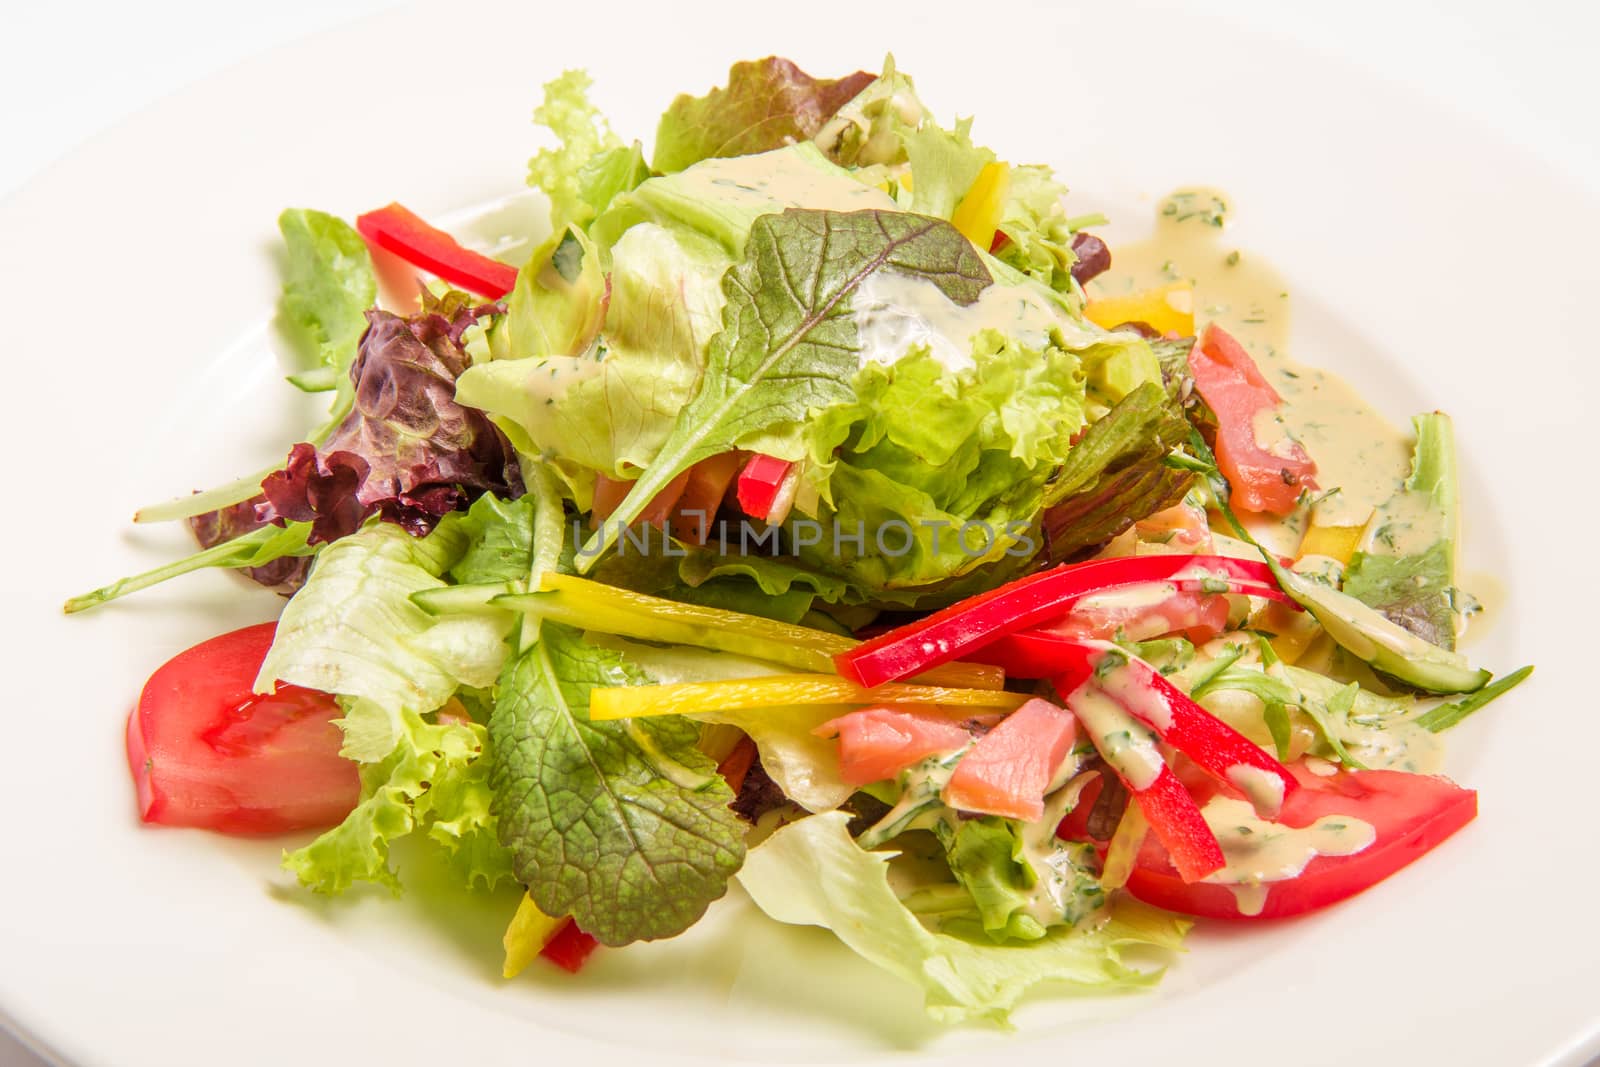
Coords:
783,690
592,605
530,931
979,213
1028,602
1168,309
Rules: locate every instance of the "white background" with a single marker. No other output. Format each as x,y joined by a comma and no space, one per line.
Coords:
75,69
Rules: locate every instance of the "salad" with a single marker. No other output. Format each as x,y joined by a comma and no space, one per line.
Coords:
817,508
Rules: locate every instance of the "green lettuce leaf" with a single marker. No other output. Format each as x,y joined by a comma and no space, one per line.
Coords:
610,412
1405,566
944,164
768,103
924,451
624,825
590,166
1023,882
558,304
788,344
1117,473
812,873
414,774
328,285
353,630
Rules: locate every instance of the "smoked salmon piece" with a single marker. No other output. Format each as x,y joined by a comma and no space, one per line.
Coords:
875,744
1010,768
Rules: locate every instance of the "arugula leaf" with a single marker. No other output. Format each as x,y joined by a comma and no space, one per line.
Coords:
258,548
1117,473
788,342
599,817
768,103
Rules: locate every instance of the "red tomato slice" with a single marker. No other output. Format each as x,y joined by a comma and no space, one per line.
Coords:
1410,812
1263,478
206,751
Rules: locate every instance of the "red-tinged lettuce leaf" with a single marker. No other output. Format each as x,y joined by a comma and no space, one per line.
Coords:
768,103
1116,473
408,450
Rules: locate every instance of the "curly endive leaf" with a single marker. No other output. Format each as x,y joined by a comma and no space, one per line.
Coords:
623,825
789,343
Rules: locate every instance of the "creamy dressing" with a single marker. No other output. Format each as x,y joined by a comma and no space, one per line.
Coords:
772,181
1127,744
1144,701
1262,788
1257,852
895,313
1355,448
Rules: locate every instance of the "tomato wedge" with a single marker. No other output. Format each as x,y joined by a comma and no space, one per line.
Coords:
1411,813
206,751
1266,475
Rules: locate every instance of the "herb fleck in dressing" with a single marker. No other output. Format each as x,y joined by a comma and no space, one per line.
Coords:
1355,448
1260,852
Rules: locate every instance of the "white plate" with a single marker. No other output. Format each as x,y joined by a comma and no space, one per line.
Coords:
1430,264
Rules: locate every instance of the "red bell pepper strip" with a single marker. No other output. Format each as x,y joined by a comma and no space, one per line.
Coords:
1264,477
1213,745
960,629
1181,828
569,948
397,230
1167,806
759,484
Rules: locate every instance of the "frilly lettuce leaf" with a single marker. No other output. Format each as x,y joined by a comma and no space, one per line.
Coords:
415,774
590,166
353,630
812,873
944,164
929,449
768,103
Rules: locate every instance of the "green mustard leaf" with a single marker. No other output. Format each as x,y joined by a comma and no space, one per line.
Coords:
789,343
596,814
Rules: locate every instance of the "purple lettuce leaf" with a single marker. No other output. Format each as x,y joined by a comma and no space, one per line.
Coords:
407,451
